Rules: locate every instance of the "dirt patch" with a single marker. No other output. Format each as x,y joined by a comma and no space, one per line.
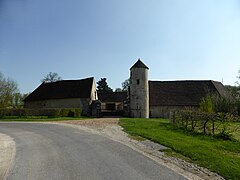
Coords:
94,123
109,128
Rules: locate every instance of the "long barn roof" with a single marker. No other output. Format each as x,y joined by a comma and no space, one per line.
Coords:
62,89
183,93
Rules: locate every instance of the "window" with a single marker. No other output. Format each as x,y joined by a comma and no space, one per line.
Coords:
138,81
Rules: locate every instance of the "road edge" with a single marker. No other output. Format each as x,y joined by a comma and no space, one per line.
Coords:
7,154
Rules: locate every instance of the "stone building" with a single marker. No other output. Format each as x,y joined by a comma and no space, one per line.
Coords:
167,96
145,98
159,98
113,103
139,94
63,94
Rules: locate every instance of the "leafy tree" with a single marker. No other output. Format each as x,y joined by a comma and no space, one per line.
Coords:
238,93
126,84
51,77
234,91
103,86
8,88
206,104
18,99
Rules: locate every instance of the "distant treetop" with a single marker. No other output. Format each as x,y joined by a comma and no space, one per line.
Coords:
103,86
51,77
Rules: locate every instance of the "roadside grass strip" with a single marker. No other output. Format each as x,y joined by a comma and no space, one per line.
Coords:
218,155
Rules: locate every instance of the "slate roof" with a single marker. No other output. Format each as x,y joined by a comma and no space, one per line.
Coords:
139,64
112,96
62,89
182,93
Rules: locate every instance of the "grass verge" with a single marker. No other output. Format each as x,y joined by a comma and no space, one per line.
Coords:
220,156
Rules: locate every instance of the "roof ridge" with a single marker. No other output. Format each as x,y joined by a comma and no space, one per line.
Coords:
139,64
64,80
183,81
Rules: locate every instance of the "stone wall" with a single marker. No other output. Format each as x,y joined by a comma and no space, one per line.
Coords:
164,111
60,103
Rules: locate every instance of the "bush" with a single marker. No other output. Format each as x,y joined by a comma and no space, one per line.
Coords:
206,104
224,105
64,112
202,122
4,112
219,104
238,107
52,113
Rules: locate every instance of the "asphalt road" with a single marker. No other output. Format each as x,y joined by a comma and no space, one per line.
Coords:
54,152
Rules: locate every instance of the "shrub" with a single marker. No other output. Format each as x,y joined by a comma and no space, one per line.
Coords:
64,112
202,122
4,112
238,107
206,104
74,112
224,104
78,112
52,113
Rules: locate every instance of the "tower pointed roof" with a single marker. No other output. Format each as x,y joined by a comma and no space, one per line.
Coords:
139,64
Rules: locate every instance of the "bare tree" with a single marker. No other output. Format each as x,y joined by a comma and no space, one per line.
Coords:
238,83
51,77
126,84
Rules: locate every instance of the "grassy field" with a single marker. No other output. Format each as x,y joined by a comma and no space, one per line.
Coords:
235,130
39,119
220,156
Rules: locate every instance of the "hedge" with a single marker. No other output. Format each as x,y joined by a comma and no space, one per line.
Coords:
53,112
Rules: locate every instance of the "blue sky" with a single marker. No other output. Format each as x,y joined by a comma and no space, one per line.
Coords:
177,39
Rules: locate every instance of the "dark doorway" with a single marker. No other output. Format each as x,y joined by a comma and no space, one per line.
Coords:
110,106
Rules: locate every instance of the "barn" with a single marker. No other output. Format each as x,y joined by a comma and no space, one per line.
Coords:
63,94
167,96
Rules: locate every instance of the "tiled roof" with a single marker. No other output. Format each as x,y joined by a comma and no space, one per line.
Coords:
139,64
182,93
62,89
112,96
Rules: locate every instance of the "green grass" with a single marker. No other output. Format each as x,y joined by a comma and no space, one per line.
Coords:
235,130
220,156
38,118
